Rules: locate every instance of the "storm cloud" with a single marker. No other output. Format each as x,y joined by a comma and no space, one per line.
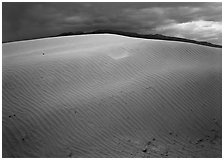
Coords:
198,21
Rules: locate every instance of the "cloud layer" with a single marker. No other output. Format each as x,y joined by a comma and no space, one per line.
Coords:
199,21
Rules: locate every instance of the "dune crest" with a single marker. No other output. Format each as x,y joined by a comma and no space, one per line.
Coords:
111,96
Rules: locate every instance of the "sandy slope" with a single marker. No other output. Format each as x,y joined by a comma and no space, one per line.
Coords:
111,96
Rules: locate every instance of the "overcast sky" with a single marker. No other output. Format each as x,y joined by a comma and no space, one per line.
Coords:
198,21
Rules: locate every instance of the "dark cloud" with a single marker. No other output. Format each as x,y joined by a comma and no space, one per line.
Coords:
31,20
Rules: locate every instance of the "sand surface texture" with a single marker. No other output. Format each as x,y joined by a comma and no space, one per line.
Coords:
111,96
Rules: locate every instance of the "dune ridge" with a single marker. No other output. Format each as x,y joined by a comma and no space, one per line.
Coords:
111,96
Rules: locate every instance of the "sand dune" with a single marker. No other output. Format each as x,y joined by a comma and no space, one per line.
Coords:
111,96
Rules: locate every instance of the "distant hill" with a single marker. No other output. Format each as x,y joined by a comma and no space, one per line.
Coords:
69,34
131,34
148,36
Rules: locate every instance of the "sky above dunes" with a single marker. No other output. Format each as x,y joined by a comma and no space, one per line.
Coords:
198,21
